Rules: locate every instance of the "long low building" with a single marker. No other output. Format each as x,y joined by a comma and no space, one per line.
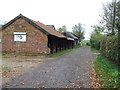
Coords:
73,36
22,34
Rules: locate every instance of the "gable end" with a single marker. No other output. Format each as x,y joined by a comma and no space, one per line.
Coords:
27,20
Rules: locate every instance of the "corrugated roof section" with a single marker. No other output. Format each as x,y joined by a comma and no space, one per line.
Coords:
69,34
68,38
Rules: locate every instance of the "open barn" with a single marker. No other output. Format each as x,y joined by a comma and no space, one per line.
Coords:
22,34
75,38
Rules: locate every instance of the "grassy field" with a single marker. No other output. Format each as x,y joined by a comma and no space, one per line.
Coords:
107,73
85,41
62,52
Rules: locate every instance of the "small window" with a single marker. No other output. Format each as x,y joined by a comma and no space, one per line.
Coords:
20,36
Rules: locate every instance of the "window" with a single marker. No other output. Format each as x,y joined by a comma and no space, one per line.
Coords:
20,36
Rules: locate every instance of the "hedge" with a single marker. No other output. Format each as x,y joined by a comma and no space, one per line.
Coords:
107,45
95,40
109,48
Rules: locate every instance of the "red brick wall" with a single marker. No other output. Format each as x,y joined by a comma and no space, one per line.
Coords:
36,41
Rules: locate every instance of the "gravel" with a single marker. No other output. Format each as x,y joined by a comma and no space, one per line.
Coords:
71,70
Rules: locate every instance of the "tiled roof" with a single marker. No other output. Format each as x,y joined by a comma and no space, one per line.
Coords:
44,28
52,26
49,30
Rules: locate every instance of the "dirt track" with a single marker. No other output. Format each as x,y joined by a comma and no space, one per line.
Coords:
70,70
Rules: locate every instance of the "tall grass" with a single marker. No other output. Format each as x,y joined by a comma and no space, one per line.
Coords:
107,73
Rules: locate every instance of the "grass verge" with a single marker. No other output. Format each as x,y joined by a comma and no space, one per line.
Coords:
20,54
107,73
62,52
4,70
95,50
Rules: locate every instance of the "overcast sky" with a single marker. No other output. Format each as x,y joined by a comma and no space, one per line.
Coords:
55,12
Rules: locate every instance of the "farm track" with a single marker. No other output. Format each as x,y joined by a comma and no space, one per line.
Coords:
73,69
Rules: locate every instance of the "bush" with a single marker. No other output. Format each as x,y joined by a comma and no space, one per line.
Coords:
88,44
95,40
108,46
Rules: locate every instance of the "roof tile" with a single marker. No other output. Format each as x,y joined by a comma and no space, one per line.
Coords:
49,30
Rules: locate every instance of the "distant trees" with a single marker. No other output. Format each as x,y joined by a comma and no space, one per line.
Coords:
62,29
97,29
78,29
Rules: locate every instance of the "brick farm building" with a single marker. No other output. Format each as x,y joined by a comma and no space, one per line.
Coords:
28,36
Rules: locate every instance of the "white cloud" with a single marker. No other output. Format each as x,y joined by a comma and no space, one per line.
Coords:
57,12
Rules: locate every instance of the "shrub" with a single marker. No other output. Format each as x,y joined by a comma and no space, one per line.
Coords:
108,46
88,44
95,40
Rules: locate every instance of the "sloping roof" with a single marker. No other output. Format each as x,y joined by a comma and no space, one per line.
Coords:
69,34
76,35
51,26
68,38
49,30
45,29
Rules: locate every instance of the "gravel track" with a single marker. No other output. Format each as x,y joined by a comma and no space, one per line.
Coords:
71,70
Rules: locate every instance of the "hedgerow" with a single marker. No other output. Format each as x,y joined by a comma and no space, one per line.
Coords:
108,46
96,40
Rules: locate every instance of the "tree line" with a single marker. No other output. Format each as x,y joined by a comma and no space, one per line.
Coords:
106,35
77,29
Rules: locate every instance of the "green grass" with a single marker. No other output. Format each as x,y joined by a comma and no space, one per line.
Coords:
107,73
15,54
0,68
62,52
94,50
4,70
85,41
